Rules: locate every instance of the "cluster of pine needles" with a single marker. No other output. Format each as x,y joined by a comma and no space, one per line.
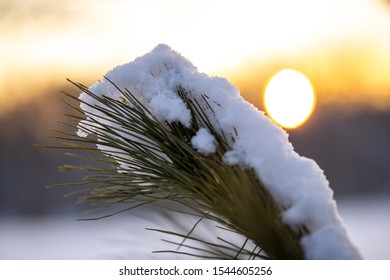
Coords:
134,160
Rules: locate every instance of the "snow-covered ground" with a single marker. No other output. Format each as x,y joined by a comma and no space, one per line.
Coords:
124,237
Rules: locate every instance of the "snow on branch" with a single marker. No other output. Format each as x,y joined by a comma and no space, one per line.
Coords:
158,116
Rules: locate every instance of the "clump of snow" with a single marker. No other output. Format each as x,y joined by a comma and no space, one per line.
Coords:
296,183
170,108
153,78
329,242
204,142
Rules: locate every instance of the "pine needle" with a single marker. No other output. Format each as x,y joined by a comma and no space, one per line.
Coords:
145,161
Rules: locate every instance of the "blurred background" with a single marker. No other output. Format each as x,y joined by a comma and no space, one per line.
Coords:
342,46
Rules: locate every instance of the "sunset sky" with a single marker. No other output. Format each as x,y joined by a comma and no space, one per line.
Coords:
342,46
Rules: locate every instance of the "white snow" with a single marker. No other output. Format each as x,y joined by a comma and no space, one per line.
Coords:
153,78
296,183
204,142
170,108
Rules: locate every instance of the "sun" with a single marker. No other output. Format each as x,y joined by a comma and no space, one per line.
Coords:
289,98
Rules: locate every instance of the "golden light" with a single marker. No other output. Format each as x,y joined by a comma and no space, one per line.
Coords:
60,41
289,98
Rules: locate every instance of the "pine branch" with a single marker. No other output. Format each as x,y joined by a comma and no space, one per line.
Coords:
146,160
157,131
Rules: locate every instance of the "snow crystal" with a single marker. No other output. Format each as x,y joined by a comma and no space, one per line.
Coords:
296,183
204,142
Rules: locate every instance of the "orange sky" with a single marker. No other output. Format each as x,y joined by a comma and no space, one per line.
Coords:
341,45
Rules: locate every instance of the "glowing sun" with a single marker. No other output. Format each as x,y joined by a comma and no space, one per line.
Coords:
289,98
